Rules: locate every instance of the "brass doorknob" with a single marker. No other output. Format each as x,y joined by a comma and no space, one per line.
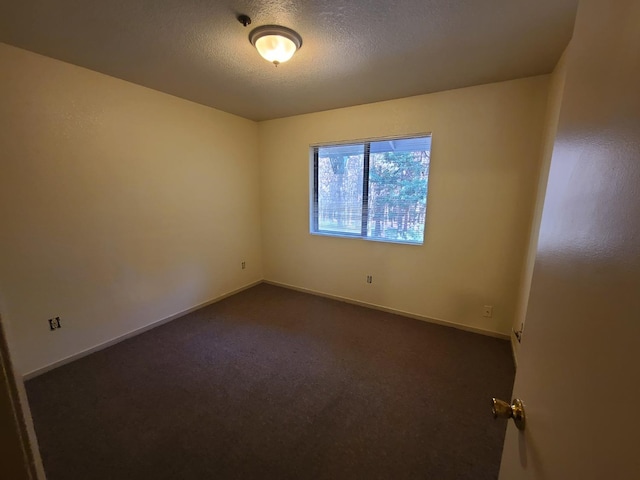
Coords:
502,409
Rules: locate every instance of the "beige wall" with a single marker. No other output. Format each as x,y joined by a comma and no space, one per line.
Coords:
556,88
483,177
120,206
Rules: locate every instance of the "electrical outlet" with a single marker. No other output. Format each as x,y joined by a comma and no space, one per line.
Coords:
369,278
244,265
54,323
487,311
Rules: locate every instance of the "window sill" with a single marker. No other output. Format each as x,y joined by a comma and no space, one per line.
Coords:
367,239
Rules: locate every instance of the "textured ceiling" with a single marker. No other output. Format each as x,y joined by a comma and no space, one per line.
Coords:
353,52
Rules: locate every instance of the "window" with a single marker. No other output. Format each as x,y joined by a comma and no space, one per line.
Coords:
375,190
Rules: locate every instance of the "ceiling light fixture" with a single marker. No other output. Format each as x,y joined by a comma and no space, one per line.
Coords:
274,43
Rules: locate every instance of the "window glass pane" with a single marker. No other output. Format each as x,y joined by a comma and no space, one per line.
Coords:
398,176
340,173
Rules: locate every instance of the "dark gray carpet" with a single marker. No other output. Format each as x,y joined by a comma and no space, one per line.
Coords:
277,384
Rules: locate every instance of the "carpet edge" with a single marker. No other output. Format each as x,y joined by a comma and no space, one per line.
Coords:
437,321
101,346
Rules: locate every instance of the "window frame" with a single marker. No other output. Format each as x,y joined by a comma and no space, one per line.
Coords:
314,184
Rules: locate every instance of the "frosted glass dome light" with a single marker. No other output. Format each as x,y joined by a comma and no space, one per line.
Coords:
275,44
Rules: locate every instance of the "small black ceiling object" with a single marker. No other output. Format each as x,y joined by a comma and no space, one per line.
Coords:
244,19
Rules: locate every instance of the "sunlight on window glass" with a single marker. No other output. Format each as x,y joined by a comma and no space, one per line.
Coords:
340,188
398,192
375,190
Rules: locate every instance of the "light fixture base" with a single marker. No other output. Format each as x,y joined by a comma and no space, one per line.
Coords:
244,20
265,30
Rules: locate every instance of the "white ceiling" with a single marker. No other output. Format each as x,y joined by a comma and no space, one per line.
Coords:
353,52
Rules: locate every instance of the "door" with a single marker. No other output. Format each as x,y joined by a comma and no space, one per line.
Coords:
14,446
579,363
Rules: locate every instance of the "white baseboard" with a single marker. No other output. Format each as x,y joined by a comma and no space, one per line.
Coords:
416,316
157,323
132,333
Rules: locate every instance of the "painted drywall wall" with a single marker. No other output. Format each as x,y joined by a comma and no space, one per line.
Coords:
484,168
556,88
119,206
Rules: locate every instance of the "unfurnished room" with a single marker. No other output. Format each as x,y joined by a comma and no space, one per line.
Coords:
319,239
